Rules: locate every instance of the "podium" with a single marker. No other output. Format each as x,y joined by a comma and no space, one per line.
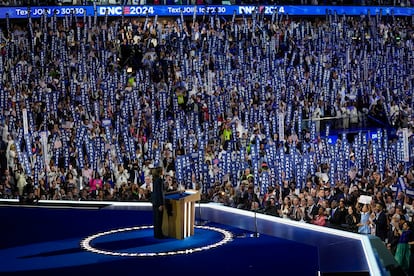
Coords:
179,214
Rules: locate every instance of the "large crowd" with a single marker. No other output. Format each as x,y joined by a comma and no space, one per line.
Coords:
242,109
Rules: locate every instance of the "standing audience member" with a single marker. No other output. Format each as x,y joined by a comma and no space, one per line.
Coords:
364,224
338,218
351,220
403,251
320,218
393,235
311,210
380,222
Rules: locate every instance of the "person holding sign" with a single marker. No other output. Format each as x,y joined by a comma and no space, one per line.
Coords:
364,225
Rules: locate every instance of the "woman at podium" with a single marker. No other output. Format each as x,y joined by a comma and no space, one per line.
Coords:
157,198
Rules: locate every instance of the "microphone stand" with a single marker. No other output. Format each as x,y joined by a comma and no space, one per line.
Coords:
256,234
181,188
199,221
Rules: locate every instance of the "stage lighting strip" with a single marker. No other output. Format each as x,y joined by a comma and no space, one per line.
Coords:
86,243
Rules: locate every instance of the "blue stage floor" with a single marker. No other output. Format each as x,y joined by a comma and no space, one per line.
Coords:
48,241
57,240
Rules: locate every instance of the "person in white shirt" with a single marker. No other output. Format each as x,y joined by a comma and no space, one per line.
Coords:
21,180
147,183
345,116
11,154
121,175
316,115
394,112
353,115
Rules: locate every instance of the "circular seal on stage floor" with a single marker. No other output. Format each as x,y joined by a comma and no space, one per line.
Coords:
139,242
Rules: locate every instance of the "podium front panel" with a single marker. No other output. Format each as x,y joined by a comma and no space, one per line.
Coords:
178,221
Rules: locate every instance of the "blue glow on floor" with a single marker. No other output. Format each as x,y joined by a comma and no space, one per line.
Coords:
53,248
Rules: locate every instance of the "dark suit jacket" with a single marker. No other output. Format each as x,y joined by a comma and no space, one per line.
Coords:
393,238
381,226
338,217
157,195
312,213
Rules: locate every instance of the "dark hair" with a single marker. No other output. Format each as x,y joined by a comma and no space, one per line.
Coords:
156,172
